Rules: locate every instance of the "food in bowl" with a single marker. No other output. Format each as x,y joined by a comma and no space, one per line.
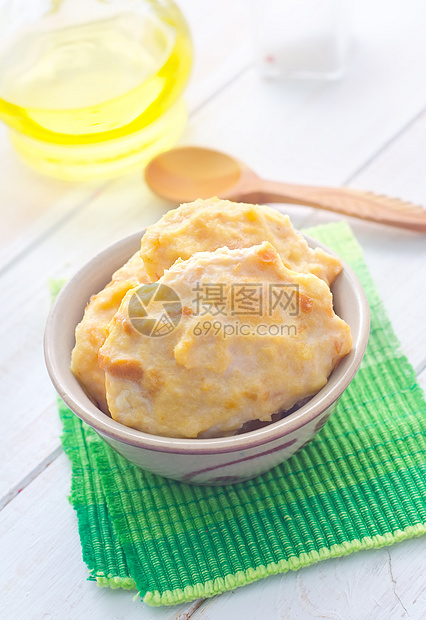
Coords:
90,334
217,460
213,373
166,366
206,225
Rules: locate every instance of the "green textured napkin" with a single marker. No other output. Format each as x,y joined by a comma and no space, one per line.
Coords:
359,484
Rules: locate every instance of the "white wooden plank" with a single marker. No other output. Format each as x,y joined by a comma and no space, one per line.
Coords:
33,227
316,132
373,585
26,196
29,415
44,575
397,258
222,46
398,171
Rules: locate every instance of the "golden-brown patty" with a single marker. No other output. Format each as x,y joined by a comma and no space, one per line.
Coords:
205,225
90,334
209,375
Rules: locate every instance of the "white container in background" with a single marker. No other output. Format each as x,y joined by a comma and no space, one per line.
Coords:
300,38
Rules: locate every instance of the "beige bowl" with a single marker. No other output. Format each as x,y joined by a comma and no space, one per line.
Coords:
201,461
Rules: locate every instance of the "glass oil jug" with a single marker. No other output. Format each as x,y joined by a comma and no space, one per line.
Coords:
92,88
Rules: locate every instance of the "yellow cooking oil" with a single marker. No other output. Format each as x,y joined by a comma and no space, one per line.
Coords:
96,99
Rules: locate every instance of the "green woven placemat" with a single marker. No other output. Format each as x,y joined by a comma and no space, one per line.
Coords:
359,484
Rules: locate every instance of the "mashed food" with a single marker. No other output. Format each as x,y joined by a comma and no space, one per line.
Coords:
90,334
206,225
265,337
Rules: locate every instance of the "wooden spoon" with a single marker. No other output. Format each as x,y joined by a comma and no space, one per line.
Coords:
187,173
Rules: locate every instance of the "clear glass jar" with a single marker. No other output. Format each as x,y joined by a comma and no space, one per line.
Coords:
92,88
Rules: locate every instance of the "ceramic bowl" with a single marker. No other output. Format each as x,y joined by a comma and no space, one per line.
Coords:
200,461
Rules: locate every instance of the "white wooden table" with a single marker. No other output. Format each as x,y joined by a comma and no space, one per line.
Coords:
367,131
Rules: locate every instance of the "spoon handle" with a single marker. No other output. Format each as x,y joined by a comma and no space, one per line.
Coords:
364,205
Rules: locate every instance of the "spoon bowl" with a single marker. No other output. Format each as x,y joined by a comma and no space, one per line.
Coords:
187,173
